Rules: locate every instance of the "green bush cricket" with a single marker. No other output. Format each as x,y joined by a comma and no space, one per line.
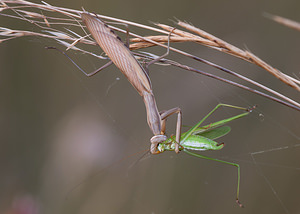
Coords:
202,139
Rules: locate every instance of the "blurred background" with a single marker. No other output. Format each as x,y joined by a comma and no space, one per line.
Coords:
69,143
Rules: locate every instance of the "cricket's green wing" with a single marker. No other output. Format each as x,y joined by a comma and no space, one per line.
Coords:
218,124
200,143
215,133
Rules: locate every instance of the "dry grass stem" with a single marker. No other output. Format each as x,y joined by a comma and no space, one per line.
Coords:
139,43
218,44
284,21
245,55
56,23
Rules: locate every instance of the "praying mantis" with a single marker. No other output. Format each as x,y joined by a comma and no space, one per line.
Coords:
122,57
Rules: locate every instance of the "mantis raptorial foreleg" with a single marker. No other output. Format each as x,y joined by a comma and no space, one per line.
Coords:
164,116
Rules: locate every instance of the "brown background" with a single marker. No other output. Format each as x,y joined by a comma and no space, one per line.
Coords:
59,127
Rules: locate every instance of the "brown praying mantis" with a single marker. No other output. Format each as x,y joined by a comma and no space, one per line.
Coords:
122,57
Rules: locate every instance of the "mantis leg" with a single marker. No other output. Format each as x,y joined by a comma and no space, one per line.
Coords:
86,74
162,56
164,116
127,36
96,71
163,123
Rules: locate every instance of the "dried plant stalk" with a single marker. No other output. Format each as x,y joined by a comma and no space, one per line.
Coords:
218,44
284,21
54,23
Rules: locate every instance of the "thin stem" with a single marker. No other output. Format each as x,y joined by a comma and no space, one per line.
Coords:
295,105
75,14
186,67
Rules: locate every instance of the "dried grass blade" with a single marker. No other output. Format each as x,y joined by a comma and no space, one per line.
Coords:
243,54
284,21
281,76
139,43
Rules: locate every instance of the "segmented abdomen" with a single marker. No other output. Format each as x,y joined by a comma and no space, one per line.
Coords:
116,50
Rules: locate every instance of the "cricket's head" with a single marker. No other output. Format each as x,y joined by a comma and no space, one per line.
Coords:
155,141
